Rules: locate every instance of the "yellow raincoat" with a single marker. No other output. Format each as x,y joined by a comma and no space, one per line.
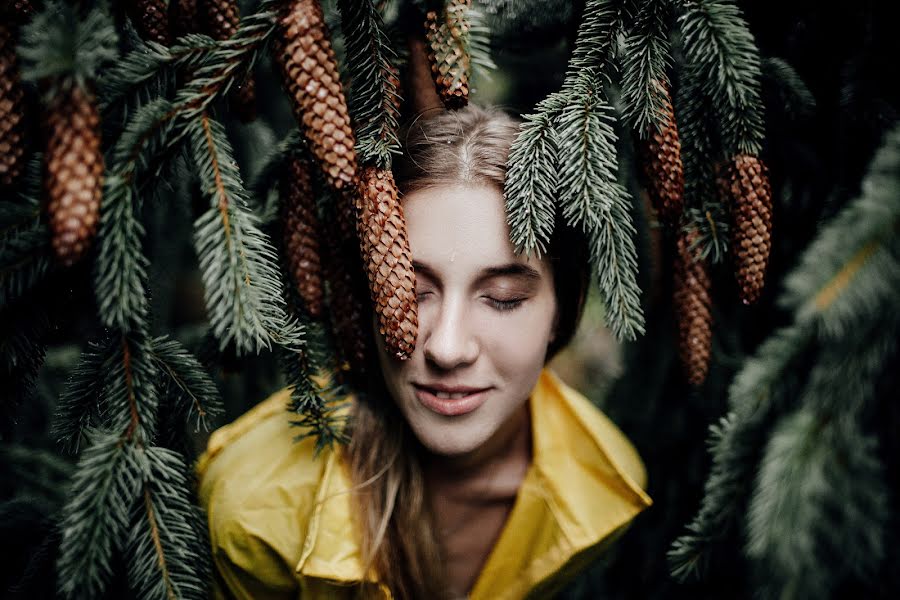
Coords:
280,521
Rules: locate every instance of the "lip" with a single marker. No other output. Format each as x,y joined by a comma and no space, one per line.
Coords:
451,407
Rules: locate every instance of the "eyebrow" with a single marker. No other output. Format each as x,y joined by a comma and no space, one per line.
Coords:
509,269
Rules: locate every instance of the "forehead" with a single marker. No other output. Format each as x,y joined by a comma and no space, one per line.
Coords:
461,227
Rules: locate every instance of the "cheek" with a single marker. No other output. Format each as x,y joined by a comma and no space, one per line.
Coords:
519,342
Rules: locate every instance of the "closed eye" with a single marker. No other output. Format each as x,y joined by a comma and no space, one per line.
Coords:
504,305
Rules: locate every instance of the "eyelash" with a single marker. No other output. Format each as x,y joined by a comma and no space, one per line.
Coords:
504,305
501,305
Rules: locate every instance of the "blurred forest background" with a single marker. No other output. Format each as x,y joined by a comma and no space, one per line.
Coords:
777,477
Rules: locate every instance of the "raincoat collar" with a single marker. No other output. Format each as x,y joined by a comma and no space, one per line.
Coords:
574,495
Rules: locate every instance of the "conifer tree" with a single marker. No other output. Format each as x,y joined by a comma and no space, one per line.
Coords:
780,305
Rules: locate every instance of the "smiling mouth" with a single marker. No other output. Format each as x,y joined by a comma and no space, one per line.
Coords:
451,404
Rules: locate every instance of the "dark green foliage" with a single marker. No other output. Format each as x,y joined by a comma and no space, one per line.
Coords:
196,395
164,564
95,519
79,409
644,77
719,45
60,45
243,290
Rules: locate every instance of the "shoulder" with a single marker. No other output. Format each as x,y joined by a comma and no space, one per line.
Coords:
599,428
258,487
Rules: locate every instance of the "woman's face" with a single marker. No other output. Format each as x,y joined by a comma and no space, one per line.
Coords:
486,317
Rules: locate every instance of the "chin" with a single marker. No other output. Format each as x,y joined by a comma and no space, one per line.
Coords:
450,443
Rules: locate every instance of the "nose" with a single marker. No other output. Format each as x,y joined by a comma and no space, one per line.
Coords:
449,343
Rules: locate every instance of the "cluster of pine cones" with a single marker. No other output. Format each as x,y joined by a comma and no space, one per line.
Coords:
368,199
744,187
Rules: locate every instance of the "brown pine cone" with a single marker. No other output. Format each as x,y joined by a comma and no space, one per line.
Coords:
301,230
692,303
750,196
221,19
183,17
151,19
12,109
447,52
663,169
314,86
74,172
388,260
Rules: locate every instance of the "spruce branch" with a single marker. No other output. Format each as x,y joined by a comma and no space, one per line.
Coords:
821,480
80,406
237,261
26,258
736,443
614,256
163,538
717,42
644,79
263,188
130,391
319,409
595,43
587,156
375,89
95,519
532,180
121,268
479,42
791,91
701,153
850,274
196,393
58,45
148,70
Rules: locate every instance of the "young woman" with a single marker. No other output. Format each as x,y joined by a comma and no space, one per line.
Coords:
475,472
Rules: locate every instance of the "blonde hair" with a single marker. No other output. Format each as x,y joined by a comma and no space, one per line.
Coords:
468,146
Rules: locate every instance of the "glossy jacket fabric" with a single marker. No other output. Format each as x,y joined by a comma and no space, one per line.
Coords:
280,520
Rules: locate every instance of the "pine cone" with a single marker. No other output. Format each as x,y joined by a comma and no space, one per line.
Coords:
221,21
183,17
447,52
301,227
386,253
74,172
12,109
692,303
314,86
151,19
750,197
663,169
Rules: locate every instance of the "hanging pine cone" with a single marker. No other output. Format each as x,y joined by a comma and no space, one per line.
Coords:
386,253
301,227
74,172
151,19
448,52
314,86
692,304
12,109
750,196
221,19
663,169
183,17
